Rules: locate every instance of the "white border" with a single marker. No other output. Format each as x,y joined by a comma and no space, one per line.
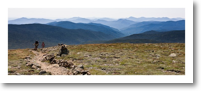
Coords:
187,4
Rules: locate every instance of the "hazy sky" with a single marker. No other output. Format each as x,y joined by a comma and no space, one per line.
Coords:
56,13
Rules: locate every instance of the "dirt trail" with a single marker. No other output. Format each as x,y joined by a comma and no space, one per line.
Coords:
54,69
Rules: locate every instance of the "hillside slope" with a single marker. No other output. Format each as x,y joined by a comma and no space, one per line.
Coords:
89,26
177,36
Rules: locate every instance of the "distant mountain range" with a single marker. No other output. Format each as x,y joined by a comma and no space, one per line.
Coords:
122,22
115,23
142,19
78,20
118,24
157,26
24,20
89,26
23,32
174,36
23,36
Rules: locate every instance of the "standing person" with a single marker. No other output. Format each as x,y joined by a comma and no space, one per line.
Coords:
36,45
43,44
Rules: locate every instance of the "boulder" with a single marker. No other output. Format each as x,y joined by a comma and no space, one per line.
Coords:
50,57
63,50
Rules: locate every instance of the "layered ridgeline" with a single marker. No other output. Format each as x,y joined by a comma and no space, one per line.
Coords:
118,24
24,20
176,36
112,32
24,36
157,26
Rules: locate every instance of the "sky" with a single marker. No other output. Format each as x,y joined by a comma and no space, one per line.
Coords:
115,13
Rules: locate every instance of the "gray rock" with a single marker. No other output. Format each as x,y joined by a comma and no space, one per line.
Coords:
75,72
78,69
17,73
29,64
88,73
65,64
80,66
50,57
174,61
173,55
38,69
34,67
42,72
85,73
37,65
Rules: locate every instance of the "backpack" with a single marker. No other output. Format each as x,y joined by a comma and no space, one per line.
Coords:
36,42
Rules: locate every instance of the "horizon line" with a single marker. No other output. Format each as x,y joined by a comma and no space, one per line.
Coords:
13,18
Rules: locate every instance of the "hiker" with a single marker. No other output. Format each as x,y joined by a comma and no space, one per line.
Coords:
36,45
43,44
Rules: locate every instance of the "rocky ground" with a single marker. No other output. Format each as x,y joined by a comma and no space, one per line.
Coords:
100,59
